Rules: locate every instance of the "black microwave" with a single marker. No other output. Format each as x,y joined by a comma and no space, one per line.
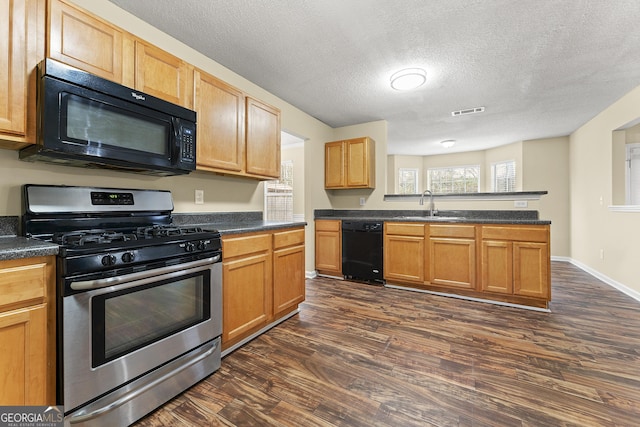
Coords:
85,120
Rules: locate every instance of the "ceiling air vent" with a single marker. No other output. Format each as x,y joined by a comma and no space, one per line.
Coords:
467,111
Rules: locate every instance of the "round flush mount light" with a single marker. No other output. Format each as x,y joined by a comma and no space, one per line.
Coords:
448,143
409,78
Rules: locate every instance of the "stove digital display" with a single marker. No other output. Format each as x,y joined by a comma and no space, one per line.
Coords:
104,198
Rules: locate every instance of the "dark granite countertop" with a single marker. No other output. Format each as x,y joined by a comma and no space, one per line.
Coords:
233,222
451,216
14,247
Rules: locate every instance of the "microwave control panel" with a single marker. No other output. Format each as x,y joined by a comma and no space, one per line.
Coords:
188,151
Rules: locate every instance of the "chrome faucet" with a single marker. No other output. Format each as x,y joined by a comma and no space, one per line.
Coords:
431,205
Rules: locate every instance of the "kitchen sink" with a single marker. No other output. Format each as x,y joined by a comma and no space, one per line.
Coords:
432,218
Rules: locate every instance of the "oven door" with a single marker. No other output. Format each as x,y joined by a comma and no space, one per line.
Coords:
114,333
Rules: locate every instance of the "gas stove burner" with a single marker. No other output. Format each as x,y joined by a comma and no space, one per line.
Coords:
165,231
88,237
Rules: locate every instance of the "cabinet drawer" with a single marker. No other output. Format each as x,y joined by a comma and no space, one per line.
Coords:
404,229
288,238
462,231
328,225
22,282
517,233
244,245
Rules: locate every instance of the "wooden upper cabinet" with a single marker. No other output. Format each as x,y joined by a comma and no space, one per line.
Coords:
86,42
262,139
220,114
334,165
350,164
21,48
163,75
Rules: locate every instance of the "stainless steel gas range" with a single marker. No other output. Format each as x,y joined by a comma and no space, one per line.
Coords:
139,301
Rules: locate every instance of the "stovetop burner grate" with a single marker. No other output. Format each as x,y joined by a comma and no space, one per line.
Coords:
88,237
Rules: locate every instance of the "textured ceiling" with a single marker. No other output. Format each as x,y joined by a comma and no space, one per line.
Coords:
541,68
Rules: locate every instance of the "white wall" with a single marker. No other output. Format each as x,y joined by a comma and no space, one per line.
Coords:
594,226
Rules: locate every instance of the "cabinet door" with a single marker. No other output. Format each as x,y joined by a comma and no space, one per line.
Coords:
334,165
262,139
220,110
359,160
23,361
328,247
247,290
288,279
453,262
84,41
497,267
21,48
531,269
404,255
161,74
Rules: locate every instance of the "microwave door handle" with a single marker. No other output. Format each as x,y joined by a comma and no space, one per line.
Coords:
175,140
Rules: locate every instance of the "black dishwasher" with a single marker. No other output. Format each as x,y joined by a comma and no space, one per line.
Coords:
362,250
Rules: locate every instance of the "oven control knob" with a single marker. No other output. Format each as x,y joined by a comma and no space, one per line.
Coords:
189,247
128,257
202,245
108,260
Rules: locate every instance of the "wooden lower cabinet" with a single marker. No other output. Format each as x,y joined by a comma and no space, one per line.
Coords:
27,331
288,271
262,280
452,255
515,261
506,263
328,247
404,254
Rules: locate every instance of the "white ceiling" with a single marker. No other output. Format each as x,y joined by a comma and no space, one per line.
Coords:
541,68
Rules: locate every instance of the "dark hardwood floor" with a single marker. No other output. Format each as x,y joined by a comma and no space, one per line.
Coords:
364,355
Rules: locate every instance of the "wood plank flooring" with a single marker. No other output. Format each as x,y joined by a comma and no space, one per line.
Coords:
364,355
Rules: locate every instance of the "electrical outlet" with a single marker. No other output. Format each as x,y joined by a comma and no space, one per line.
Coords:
199,197
520,203
362,201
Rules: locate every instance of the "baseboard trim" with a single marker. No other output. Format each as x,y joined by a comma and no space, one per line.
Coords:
602,277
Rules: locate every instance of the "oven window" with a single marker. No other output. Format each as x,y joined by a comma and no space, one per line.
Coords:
134,318
99,123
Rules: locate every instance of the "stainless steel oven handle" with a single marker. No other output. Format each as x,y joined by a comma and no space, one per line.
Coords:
82,417
112,281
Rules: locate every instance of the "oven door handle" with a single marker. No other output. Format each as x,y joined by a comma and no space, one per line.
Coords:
112,281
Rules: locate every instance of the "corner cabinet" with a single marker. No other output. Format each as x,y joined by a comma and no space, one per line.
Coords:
262,281
328,247
22,47
27,331
349,164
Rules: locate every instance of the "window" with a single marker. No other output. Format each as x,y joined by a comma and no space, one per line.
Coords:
407,181
503,176
278,195
633,174
458,179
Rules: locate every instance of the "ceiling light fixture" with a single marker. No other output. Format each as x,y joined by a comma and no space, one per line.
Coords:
409,78
448,143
